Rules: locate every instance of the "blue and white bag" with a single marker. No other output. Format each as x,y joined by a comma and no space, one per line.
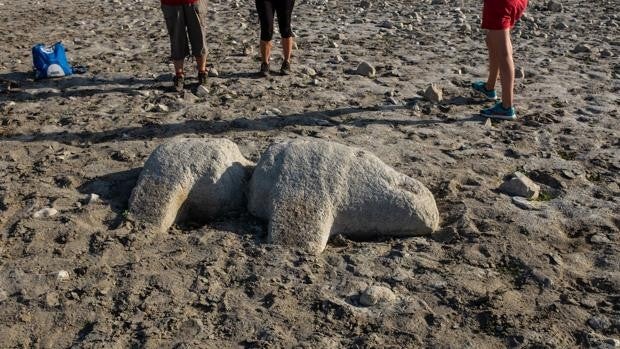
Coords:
50,61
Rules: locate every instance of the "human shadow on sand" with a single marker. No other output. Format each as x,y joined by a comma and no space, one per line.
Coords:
242,124
26,88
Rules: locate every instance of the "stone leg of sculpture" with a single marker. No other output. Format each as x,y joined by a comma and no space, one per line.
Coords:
301,222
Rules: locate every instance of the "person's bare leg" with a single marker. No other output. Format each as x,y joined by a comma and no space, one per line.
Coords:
287,48
265,51
178,67
493,65
201,63
500,42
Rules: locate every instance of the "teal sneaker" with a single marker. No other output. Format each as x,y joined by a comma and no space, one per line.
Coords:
499,112
481,87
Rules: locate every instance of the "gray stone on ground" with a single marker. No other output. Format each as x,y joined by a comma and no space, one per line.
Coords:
308,71
433,93
524,203
555,6
213,73
599,322
45,213
582,48
376,295
520,185
62,275
202,91
308,190
194,178
365,69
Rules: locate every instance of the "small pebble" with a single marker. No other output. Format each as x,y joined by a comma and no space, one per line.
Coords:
523,203
45,213
433,93
365,69
213,73
600,239
599,322
376,295
202,91
308,71
62,275
92,198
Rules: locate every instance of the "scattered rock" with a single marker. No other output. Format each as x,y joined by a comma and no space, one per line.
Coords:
520,185
162,108
599,322
365,69
376,295
519,73
524,203
62,275
202,91
393,101
611,343
386,24
213,73
311,189
92,198
45,213
599,239
433,93
189,177
337,60
3,296
582,48
605,53
308,71
554,6
488,123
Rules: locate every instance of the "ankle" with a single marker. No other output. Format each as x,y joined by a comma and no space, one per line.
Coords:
506,106
489,87
180,73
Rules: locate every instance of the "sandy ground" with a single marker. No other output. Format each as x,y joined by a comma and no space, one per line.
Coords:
495,275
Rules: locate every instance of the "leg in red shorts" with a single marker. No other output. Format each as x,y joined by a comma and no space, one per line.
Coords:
498,17
502,14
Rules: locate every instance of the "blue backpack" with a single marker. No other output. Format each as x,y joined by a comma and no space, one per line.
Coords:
50,61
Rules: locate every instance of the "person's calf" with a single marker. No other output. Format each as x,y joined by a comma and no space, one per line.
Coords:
265,51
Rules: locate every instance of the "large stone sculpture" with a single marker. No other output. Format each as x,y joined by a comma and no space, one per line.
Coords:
194,178
308,190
